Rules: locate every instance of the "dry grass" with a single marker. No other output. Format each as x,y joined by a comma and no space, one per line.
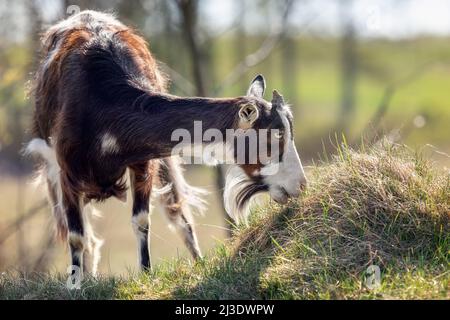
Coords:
385,206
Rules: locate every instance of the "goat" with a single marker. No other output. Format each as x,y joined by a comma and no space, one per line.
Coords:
102,107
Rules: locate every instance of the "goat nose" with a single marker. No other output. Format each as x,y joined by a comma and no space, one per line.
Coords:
298,191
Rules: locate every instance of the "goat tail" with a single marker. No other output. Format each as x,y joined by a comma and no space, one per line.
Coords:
49,173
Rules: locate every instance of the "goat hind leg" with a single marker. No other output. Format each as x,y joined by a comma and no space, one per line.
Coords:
141,176
175,204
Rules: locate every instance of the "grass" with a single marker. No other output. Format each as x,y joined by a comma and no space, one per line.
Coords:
386,206
315,90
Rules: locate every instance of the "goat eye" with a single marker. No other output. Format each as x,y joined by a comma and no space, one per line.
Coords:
278,135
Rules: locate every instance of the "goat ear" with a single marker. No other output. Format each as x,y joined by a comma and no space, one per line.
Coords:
248,114
277,99
257,87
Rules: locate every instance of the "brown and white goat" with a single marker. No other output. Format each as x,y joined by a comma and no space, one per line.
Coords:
101,108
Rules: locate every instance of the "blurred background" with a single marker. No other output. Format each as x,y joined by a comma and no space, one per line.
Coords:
363,68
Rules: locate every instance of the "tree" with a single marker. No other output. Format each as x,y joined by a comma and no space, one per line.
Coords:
349,64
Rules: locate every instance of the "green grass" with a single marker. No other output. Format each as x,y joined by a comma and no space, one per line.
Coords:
385,206
312,84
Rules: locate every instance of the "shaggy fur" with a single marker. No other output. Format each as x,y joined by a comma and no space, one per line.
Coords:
101,108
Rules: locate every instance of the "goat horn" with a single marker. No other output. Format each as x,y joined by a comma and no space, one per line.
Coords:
277,100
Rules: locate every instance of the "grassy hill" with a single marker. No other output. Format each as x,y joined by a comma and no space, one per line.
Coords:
385,206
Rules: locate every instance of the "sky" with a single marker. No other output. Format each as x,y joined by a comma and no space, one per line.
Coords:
373,18
392,19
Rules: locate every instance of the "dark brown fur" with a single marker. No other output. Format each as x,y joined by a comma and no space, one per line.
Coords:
99,77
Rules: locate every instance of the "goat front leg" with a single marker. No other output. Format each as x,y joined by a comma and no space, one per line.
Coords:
141,177
76,238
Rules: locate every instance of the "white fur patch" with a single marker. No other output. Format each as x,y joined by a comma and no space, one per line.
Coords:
288,174
79,21
109,144
236,181
50,172
140,221
94,244
40,148
235,177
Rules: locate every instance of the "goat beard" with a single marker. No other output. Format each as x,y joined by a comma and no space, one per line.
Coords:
240,190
